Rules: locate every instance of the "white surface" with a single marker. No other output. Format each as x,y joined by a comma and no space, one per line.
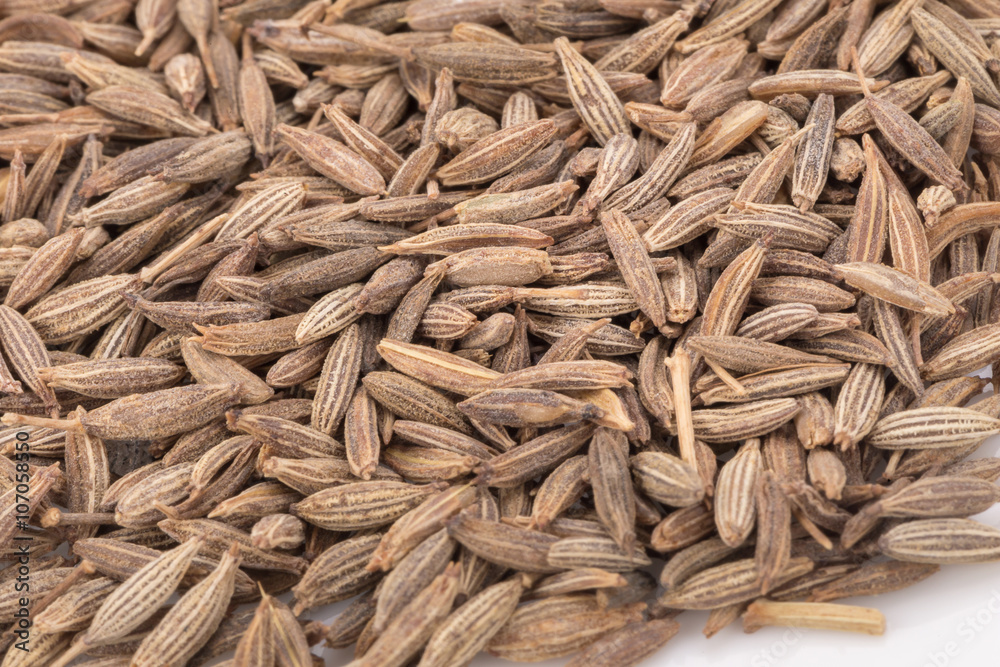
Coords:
951,619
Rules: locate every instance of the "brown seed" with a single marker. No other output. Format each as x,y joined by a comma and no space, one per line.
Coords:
635,265
332,159
497,153
952,51
360,505
731,22
726,584
408,632
537,455
748,355
470,627
337,574
558,626
489,63
667,479
856,410
527,407
735,499
268,212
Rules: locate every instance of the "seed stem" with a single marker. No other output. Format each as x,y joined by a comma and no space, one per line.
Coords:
813,615
14,419
680,380
56,517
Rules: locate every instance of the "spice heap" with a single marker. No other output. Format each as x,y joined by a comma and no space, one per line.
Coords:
478,312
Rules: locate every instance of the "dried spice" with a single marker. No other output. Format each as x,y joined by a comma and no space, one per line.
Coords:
472,312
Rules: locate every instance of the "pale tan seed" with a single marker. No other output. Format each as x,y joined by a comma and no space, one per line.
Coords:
175,638
727,584
735,494
941,541
667,479
140,596
895,287
924,428
728,298
438,369
954,53
92,304
743,421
